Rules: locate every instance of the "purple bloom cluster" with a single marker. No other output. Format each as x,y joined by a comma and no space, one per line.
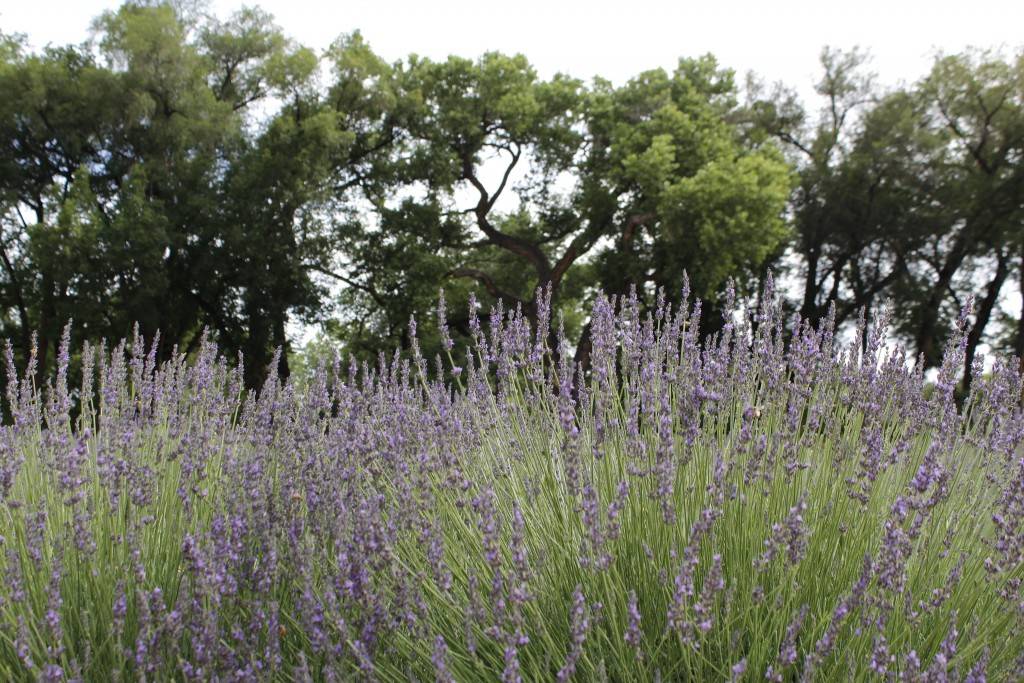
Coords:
763,502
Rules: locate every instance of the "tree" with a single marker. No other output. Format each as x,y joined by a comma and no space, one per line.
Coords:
134,189
58,109
616,186
672,179
856,189
912,195
973,104
187,173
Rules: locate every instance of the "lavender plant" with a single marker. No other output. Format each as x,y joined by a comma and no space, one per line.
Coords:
753,506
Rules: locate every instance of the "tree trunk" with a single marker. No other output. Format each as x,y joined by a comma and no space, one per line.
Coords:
1018,346
47,319
584,348
925,340
281,342
255,345
809,309
982,318
15,284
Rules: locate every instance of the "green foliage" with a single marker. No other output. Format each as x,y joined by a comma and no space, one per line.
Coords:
675,180
656,180
134,189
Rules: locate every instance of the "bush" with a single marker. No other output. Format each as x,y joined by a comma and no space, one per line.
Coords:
755,506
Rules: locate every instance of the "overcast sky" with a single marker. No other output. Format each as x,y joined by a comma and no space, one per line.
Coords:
778,40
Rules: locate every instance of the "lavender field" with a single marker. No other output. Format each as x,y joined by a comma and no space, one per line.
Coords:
757,507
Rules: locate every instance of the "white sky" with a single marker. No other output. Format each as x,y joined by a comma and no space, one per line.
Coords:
778,40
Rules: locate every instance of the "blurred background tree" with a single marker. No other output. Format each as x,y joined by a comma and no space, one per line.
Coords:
912,195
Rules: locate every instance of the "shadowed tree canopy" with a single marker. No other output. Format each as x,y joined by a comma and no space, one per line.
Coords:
136,186
973,107
915,195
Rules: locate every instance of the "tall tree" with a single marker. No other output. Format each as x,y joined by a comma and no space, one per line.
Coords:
136,189
856,189
672,179
912,195
58,111
614,186
973,105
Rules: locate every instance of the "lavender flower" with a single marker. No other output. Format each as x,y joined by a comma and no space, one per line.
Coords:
633,635
790,536
580,625
439,658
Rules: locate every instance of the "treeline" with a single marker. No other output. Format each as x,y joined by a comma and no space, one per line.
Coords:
186,173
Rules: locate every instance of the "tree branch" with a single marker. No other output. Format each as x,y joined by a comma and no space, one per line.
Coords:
633,223
974,150
528,250
787,138
508,171
486,280
355,284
